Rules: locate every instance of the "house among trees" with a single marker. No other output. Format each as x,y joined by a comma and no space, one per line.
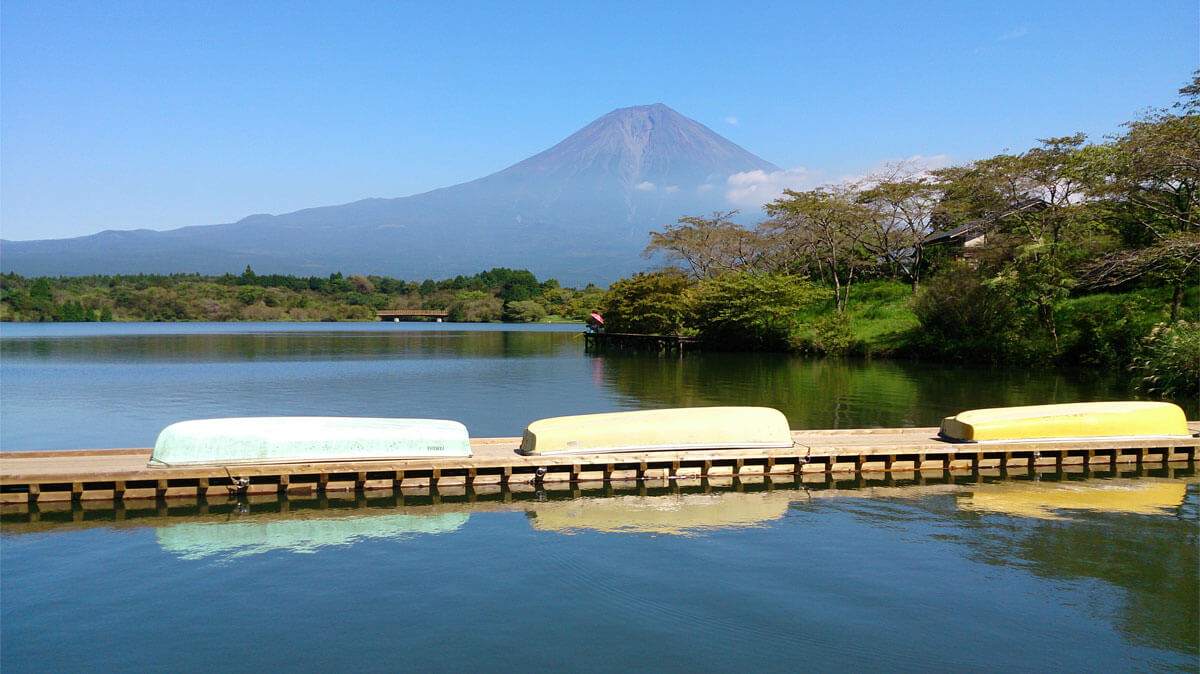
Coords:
974,234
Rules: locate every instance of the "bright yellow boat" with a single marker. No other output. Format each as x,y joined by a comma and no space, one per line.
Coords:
1067,421
658,430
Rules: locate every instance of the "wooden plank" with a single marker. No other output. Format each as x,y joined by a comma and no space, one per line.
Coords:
496,461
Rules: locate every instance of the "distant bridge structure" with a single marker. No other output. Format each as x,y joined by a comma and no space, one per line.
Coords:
413,315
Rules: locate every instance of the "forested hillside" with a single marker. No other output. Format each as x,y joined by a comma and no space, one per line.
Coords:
497,295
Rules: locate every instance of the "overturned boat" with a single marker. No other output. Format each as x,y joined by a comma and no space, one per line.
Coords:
658,430
1136,419
261,440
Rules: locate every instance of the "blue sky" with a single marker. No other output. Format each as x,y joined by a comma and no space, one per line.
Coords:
122,115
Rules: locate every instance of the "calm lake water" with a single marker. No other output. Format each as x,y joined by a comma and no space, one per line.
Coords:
1069,571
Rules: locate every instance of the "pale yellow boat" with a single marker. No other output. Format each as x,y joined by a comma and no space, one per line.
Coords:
1068,421
659,430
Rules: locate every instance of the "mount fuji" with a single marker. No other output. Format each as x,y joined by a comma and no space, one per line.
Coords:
580,212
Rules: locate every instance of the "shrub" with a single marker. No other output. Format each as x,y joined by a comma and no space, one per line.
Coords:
249,294
959,316
1169,365
1105,329
833,335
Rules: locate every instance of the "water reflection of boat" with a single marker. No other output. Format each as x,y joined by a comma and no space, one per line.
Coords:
665,514
261,440
1055,500
242,535
1067,421
651,430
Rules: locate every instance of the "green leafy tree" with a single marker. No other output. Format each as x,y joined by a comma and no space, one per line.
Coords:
707,247
740,310
654,303
825,228
905,203
1153,173
524,311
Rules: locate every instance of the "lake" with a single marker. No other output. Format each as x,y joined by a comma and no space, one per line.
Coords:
1076,571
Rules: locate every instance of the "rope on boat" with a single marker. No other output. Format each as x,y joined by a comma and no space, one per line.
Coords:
236,483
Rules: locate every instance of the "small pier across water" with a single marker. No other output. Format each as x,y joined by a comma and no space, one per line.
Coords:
412,315
600,341
118,474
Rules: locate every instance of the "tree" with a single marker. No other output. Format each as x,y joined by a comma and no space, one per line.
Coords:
524,311
1156,165
825,227
1153,171
744,310
653,303
362,284
707,246
1033,249
904,204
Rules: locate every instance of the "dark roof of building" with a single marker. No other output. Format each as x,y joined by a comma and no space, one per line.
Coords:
979,225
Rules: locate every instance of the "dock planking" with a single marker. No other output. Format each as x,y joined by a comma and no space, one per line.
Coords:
119,474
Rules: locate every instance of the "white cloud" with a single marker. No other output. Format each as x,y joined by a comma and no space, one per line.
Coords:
755,188
733,121
911,167
752,189
646,186
671,189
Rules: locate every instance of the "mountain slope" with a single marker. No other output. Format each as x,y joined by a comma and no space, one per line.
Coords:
579,211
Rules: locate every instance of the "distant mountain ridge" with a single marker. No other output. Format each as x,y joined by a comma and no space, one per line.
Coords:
580,212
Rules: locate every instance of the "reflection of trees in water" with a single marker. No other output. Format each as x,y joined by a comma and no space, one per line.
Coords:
1153,560
1149,564
839,393
295,346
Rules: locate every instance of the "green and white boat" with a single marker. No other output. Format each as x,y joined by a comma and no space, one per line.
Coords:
262,440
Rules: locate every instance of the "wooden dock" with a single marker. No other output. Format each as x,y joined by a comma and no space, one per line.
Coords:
412,314
118,474
600,341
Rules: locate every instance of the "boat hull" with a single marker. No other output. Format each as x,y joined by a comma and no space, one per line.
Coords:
263,440
1067,421
658,430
